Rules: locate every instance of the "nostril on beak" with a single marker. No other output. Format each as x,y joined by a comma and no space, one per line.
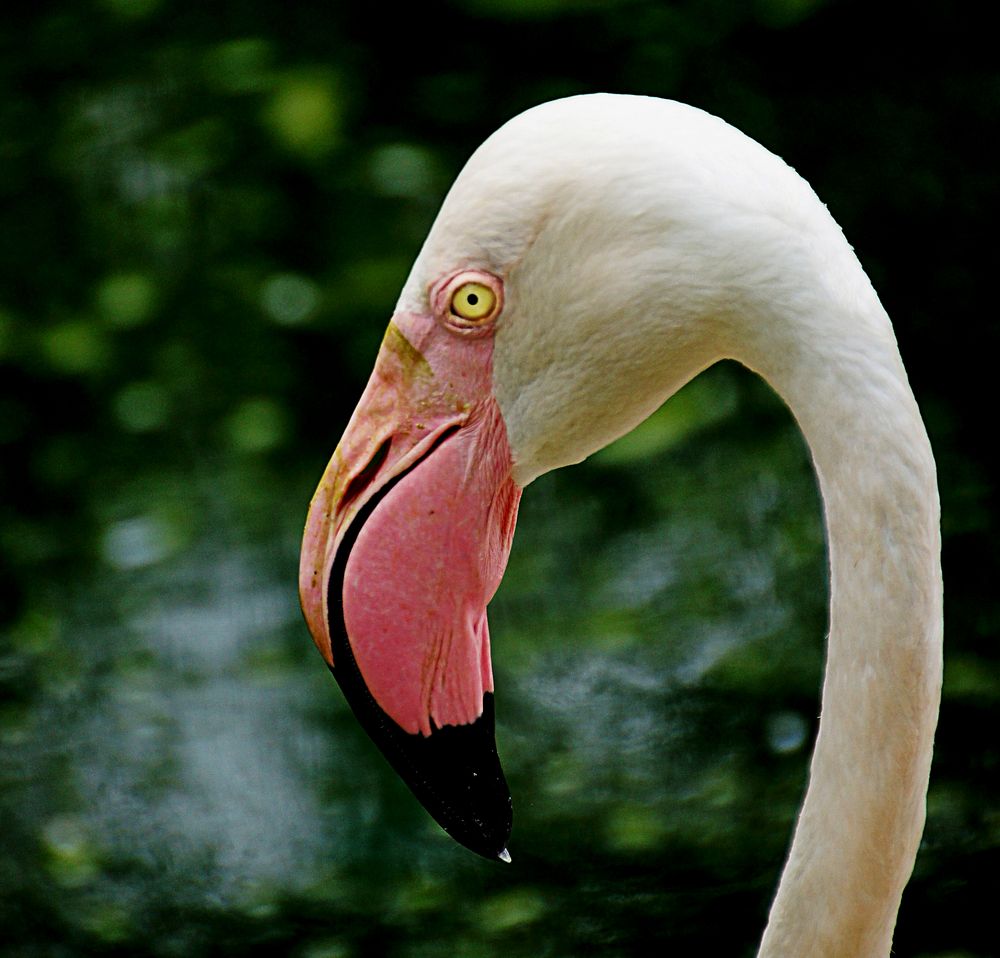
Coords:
365,477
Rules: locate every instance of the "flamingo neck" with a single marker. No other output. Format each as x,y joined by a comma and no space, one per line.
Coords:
863,813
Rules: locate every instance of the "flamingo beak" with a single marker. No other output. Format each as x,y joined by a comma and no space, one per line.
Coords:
406,541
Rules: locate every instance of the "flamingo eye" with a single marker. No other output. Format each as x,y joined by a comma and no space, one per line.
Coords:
473,301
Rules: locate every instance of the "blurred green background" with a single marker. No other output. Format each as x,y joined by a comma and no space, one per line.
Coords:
207,212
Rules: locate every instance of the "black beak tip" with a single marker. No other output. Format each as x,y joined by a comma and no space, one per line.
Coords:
455,771
490,843
461,783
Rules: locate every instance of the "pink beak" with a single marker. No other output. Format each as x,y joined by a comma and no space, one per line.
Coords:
405,544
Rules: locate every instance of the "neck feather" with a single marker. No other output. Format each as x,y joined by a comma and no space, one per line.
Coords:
863,814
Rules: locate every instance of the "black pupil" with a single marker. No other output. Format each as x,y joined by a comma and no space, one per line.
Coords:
473,299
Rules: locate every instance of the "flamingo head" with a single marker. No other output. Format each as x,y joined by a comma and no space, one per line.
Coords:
577,274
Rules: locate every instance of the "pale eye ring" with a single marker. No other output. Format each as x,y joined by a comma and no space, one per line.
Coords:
473,302
468,302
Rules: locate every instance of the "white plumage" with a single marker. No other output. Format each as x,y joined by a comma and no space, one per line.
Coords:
640,241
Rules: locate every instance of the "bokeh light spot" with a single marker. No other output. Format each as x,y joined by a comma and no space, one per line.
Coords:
142,407
512,909
632,828
289,298
126,299
138,542
786,732
401,169
72,859
303,114
75,346
257,425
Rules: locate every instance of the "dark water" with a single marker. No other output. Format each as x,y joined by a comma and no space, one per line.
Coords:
186,777
207,216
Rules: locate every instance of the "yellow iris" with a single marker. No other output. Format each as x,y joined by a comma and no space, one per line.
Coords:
473,301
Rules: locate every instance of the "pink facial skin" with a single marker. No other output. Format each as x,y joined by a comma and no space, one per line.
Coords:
431,555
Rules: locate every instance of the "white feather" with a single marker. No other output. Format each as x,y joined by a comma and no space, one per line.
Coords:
640,241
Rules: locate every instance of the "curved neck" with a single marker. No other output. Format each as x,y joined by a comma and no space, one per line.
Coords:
863,814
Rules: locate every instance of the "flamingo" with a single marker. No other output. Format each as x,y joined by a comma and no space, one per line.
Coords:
594,255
